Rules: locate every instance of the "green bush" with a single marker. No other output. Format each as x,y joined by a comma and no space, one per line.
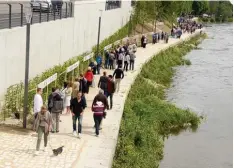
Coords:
147,117
212,20
230,19
205,19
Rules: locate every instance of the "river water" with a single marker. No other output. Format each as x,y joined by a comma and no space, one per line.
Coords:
206,88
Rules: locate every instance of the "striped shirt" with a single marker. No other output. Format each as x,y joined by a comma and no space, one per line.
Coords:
98,108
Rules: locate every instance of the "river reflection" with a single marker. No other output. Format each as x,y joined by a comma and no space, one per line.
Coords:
206,88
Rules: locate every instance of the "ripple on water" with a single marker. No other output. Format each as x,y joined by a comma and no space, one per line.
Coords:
206,88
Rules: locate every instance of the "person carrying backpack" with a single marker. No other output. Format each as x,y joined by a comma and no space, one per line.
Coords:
55,105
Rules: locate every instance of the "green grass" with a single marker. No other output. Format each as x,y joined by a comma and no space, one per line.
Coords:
147,117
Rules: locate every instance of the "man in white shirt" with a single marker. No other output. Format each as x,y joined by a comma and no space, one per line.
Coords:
38,102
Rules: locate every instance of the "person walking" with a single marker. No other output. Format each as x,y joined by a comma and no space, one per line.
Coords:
37,102
55,104
111,60
99,63
107,55
119,75
126,61
110,89
99,105
134,47
68,93
144,42
77,107
102,84
75,89
132,60
89,77
42,125
83,84
120,58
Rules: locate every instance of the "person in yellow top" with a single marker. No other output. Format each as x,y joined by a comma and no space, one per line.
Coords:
68,94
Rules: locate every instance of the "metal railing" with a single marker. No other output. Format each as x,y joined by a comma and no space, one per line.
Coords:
113,4
12,13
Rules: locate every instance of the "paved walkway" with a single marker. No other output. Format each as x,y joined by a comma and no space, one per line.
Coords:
16,151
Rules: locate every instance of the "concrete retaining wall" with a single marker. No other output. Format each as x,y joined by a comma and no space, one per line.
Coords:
54,42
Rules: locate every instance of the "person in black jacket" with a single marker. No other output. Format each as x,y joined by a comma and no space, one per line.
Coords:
119,75
110,89
77,107
103,83
83,84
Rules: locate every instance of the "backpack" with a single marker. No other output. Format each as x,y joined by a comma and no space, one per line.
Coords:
57,106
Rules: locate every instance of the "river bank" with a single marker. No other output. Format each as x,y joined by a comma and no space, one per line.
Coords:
147,117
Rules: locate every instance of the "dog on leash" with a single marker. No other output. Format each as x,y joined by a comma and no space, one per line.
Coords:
58,151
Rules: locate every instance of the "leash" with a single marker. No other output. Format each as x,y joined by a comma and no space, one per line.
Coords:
49,141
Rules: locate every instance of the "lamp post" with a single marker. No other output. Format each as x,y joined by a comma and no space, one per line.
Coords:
28,16
99,27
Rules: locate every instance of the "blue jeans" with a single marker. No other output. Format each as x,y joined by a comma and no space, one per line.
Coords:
74,119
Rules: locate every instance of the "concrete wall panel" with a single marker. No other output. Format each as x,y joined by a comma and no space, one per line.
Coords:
55,42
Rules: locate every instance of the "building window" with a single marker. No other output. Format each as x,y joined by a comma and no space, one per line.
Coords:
133,2
113,4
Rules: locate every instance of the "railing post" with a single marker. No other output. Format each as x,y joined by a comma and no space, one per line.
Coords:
48,12
54,14
32,14
66,9
9,15
40,14
71,9
61,11
21,14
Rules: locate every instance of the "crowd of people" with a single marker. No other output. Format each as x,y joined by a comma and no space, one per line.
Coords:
71,99
185,25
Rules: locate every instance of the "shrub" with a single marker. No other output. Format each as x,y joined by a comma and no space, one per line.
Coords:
212,20
230,19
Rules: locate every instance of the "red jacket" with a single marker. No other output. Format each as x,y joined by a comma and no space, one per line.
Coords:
89,75
110,86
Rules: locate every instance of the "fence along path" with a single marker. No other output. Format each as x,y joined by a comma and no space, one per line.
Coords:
12,14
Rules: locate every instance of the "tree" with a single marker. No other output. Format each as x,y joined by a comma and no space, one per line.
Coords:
200,7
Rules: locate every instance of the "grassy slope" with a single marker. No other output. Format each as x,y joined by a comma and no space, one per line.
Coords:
147,117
